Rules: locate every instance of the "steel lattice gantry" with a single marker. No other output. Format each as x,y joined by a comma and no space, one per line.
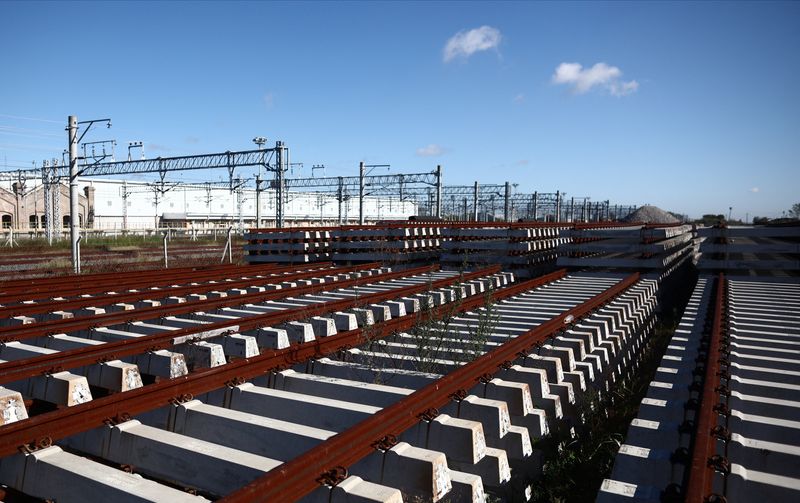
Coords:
345,186
460,201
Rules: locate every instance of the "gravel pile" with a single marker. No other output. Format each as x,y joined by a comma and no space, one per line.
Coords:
651,214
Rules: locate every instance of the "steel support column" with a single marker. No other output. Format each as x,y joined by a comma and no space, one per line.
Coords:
438,191
507,203
475,202
74,230
361,175
558,206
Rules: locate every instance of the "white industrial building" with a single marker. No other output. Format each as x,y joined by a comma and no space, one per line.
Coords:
119,204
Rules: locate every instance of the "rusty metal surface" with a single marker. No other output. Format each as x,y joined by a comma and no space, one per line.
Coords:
69,421
704,460
298,477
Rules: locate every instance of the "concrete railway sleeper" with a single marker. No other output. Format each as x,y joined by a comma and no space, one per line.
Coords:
720,422
195,339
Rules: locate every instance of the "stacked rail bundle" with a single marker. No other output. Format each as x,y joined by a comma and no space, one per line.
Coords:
288,245
390,243
518,247
773,248
634,246
720,420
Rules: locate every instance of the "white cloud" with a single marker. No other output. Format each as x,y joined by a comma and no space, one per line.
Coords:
466,43
431,150
584,79
623,88
754,190
519,99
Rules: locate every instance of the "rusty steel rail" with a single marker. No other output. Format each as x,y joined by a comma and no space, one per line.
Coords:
300,476
42,430
60,305
137,279
90,355
45,328
704,460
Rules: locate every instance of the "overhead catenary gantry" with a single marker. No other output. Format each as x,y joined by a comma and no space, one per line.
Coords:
366,184
274,159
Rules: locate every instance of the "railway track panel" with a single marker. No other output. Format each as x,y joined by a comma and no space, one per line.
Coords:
47,462
375,405
203,343
502,404
721,419
29,293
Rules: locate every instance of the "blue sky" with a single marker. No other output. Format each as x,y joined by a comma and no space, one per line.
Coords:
694,107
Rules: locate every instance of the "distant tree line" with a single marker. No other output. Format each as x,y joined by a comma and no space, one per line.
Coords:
787,216
792,214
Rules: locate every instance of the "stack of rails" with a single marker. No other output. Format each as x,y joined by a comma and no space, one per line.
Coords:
524,248
518,247
406,243
652,247
288,245
761,249
396,244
